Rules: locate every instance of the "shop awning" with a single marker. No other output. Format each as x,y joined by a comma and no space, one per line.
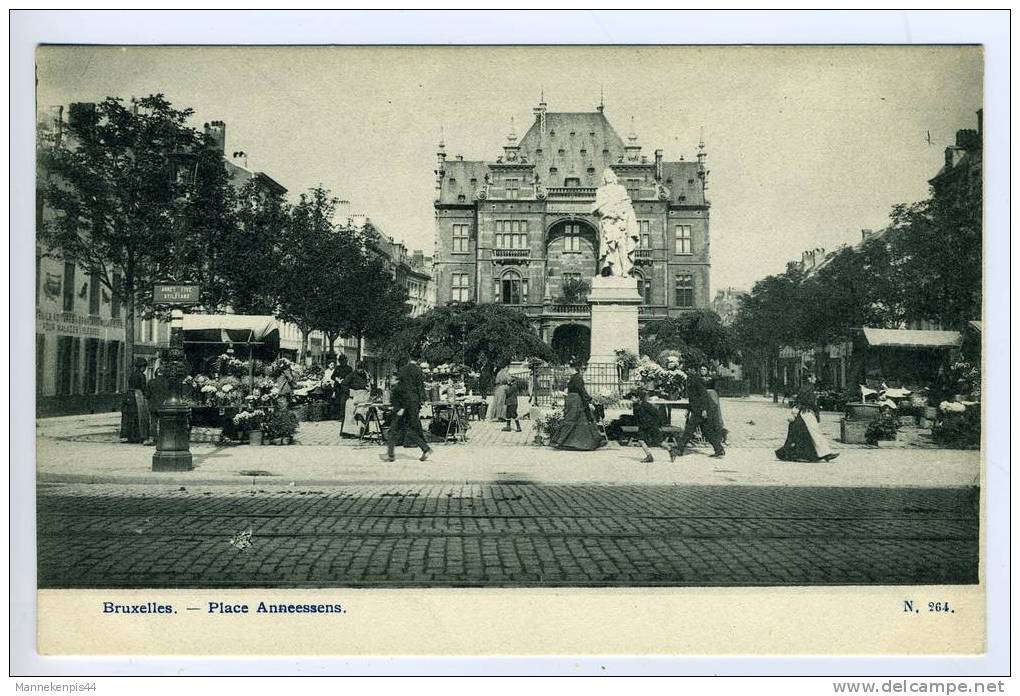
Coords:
911,338
230,328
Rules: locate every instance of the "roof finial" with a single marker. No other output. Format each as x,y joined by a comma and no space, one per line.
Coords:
602,98
701,139
541,99
632,136
512,136
442,139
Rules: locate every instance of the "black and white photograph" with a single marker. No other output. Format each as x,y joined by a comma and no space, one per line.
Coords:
572,318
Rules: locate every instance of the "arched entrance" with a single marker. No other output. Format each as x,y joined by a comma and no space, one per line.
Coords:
571,249
571,341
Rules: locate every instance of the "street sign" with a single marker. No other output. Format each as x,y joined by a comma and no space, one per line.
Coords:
175,294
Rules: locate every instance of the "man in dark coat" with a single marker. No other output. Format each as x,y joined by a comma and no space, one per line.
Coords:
414,379
700,417
405,428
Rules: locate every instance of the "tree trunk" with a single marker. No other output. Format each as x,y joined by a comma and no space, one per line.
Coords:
129,337
357,358
304,346
332,341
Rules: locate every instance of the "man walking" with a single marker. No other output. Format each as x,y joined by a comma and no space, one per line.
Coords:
700,417
405,427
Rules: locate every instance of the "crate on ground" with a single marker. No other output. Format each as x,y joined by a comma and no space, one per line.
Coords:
852,432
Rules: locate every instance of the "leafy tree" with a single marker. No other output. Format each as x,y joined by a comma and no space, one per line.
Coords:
485,337
856,287
248,257
693,333
938,247
370,305
306,279
121,192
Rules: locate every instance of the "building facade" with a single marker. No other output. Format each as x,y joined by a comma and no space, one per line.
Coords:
519,228
79,324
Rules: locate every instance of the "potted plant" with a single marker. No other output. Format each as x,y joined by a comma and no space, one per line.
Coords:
882,428
625,362
252,423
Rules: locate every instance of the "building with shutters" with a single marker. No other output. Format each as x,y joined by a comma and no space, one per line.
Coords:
518,228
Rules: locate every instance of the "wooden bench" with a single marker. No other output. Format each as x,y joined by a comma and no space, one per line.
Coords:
629,434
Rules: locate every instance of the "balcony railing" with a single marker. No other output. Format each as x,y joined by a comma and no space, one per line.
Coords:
642,255
650,312
575,192
574,308
510,254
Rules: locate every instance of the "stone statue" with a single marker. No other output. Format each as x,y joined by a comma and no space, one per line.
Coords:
618,227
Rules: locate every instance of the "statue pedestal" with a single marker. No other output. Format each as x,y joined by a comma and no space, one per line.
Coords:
614,304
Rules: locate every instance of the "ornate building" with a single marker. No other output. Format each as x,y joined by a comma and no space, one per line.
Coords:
519,229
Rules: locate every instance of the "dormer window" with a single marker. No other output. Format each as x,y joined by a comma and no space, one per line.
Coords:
592,134
452,180
553,170
552,133
561,152
583,151
572,133
461,198
474,181
605,152
538,151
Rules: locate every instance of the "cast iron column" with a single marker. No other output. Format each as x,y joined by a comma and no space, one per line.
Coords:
173,446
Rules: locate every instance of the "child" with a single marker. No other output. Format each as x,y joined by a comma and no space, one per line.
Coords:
512,390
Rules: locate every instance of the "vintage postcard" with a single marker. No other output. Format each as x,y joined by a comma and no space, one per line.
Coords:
507,350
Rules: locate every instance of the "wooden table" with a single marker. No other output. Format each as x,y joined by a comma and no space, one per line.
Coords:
667,406
457,423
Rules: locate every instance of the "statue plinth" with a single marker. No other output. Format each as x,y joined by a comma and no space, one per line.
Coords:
614,304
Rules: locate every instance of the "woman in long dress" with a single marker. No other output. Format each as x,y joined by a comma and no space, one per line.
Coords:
498,410
356,387
804,439
134,413
578,431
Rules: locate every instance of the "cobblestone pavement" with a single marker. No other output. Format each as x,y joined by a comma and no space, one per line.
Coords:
505,534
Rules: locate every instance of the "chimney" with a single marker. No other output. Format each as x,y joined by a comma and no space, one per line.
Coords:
658,165
217,130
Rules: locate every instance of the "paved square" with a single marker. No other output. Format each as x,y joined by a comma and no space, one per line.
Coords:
503,534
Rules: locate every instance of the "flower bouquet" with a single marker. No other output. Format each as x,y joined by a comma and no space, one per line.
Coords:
547,423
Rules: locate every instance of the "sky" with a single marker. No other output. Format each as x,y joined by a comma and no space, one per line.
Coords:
806,145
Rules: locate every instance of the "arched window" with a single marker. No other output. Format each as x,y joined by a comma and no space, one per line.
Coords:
511,289
644,287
